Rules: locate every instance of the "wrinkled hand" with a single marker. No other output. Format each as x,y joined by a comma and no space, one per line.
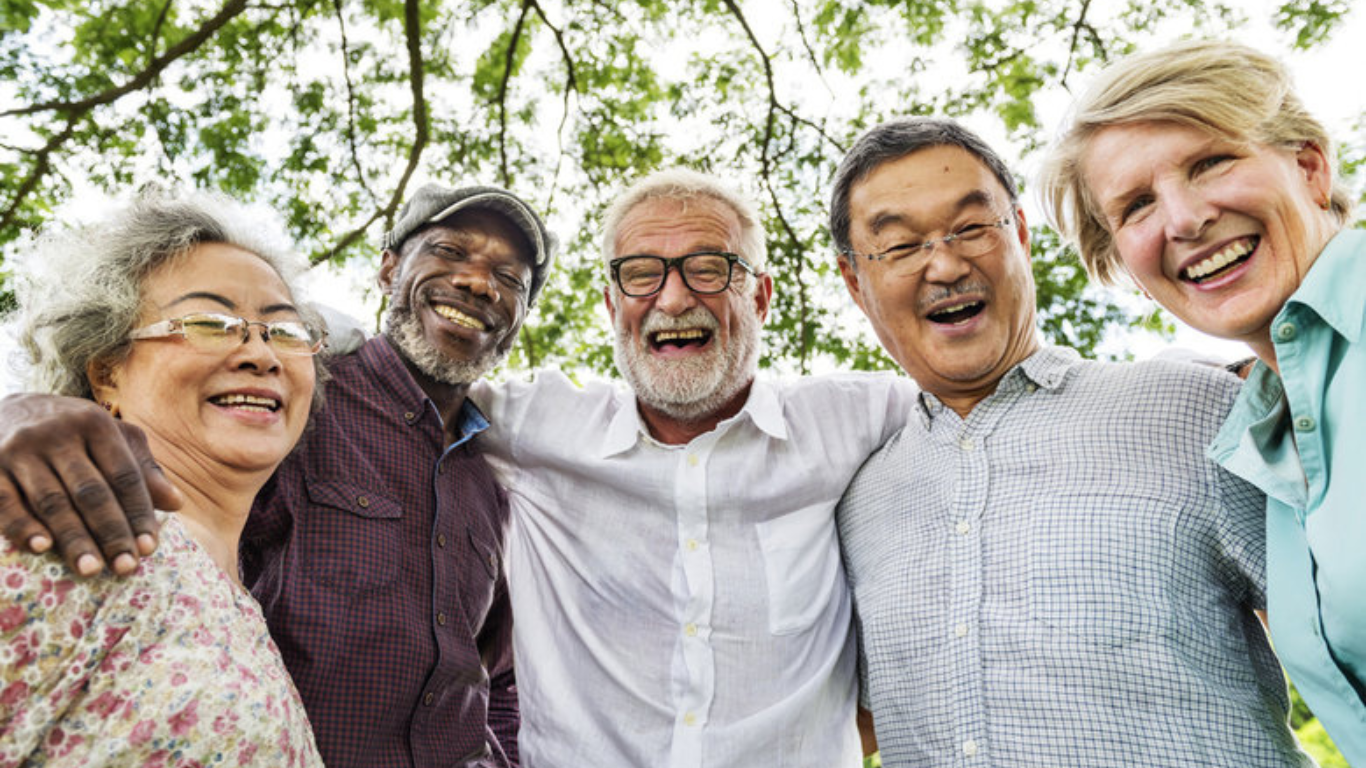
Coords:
73,475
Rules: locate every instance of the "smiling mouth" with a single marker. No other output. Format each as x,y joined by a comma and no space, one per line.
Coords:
689,337
956,314
1222,261
246,403
458,317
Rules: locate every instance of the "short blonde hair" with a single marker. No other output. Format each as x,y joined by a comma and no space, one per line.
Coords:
1227,89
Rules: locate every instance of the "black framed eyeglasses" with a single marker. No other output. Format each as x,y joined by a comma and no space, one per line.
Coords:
968,242
215,332
704,272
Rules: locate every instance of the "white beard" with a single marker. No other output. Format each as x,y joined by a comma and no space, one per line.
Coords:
698,386
405,331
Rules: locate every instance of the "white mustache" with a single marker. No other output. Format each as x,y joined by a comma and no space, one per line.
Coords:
697,317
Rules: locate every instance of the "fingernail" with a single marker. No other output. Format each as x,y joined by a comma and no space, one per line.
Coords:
125,563
39,544
87,565
147,544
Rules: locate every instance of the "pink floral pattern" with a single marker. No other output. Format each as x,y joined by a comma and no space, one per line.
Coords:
169,667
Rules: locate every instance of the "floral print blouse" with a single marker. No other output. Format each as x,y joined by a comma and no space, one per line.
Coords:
171,666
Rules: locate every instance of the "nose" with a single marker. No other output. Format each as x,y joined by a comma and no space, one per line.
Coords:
945,266
477,279
675,297
256,352
1186,213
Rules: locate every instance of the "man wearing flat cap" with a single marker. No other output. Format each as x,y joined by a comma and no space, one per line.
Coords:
376,549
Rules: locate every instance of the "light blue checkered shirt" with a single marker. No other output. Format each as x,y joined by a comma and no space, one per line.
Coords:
1063,579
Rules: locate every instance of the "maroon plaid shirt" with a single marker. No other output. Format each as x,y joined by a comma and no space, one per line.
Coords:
376,554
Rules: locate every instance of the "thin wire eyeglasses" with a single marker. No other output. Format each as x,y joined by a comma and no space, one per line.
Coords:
969,242
704,272
215,332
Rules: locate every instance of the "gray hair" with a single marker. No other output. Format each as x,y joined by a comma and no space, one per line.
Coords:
83,294
894,140
683,185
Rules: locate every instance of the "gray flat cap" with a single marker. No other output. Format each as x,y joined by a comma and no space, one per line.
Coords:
432,202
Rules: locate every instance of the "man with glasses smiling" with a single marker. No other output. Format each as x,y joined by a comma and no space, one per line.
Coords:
1045,567
673,562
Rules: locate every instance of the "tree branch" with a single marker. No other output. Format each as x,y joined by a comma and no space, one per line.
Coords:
766,175
230,10
42,163
810,52
508,62
571,86
1077,26
412,28
351,104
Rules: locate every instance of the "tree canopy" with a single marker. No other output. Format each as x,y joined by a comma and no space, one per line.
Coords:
331,111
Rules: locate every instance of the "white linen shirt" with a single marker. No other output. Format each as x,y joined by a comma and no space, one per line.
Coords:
684,605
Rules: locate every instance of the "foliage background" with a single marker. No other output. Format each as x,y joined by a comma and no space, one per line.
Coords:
332,111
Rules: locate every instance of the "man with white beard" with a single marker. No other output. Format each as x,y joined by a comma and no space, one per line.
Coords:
673,564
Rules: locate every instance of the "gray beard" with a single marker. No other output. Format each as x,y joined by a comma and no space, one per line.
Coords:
403,328
692,389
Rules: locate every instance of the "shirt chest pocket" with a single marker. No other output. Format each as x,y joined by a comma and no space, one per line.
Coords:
801,567
352,538
1098,564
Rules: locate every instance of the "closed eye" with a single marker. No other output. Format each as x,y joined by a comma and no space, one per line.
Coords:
1134,207
902,250
1206,164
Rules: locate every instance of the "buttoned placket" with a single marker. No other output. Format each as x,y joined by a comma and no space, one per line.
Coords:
693,698
969,438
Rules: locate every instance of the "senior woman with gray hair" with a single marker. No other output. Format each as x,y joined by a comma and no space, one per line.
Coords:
1198,172
175,316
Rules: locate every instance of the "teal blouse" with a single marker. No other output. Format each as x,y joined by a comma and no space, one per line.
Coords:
1301,438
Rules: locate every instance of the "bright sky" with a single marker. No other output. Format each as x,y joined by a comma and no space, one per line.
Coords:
1325,78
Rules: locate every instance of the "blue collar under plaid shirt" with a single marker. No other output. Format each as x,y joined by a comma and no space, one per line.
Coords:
1062,578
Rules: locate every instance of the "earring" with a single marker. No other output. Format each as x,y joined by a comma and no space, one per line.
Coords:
1325,204
108,406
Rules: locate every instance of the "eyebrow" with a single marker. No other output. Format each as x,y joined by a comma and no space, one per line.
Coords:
228,303
976,197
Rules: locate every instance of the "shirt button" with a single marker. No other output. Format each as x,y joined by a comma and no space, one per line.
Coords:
1031,387
362,501
427,700
1285,332
441,540
441,619
963,527
961,630
1304,424
409,416
441,469
965,443
969,748
692,459
690,630
690,719
692,545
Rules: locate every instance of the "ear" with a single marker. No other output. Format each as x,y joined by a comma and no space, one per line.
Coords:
763,296
388,269
851,281
1317,171
104,383
1022,230
607,300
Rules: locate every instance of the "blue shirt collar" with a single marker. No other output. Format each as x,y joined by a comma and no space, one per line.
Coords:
1323,289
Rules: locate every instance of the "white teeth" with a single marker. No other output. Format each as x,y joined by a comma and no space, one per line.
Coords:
1224,257
457,317
247,402
955,308
687,335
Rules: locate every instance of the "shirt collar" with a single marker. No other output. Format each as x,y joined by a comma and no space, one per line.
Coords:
385,368
1045,369
763,407
1342,262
